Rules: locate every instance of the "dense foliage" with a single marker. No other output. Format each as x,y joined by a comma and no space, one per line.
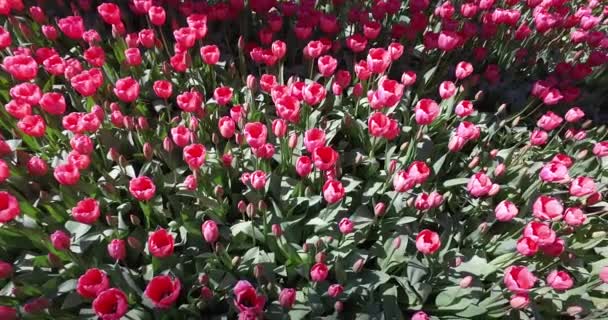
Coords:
381,159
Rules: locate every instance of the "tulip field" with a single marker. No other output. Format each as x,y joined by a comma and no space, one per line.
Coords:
303,159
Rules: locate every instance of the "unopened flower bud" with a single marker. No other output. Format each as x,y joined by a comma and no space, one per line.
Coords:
574,310
348,120
167,144
516,121
258,271
252,82
479,95
483,227
134,243
501,109
250,210
148,151
582,154
379,209
587,124
206,293
241,206
339,306
359,158
215,139
466,282
396,243
474,162
392,166
320,257
218,191
293,140
113,154
122,161
457,261
493,153
142,123
236,261
404,146
500,170
112,221
262,206
277,230
358,266
305,247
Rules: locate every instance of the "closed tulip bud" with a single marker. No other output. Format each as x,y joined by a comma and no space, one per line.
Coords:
203,279
305,247
287,298
587,124
457,262
206,293
293,140
194,124
241,206
516,121
236,261
396,243
500,170
134,219
218,191
134,243
252,82
277,230
43,195
239,138
320,257
142,123
167,144
262,206
479,95
148,151
359,157
404,146
466,282
319,243
258,271
122,161
112,221
250,210
359,264
574,310
474,162
113,154
493,153
215,139
241,43
501,109
392,166
582,154
410,202
483,227
379,209
339,306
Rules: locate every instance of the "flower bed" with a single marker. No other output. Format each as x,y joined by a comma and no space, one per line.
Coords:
282,160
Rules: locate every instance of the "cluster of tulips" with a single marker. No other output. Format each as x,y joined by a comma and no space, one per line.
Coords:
264,159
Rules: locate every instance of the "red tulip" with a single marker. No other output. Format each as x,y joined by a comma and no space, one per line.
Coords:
142,188
111,304
92,283
427,242
86,211
194,155
163,291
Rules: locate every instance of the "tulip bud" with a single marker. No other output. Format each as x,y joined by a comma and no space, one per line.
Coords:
287,298
319,243
206,293
148,151
474,162
122,161
466,282
113,154
397,243
167,144
203,279
134,243
392,166
236,261
479,95
483,227
262,206
117,249
404,146
359,264
305,247
574,310
320,257
493,153
457,262
499,170
587,124
241,206
239,138
501,109
250,210
142,122
251,82
215,139
218,191
582,154
112,221
379,209
258,271
359,158
293,140
516,121
339,306
277,230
